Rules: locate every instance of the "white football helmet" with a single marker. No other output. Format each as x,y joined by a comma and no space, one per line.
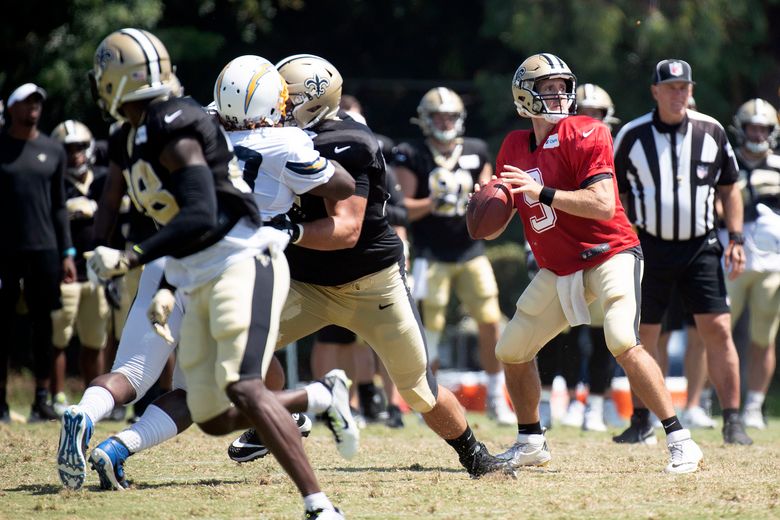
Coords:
758,112
76,132
314,85
529,102
595,97
131,65
250,92
445,101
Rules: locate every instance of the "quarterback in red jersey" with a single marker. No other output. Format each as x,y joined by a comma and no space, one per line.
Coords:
562,176
576,154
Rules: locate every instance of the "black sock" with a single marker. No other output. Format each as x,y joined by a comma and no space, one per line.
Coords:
41,394
671,425
641,415
466,444
730,414
3,396
530,429
366,393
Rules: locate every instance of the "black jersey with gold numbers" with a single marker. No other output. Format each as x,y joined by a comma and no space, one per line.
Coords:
137,151
353,146
443,236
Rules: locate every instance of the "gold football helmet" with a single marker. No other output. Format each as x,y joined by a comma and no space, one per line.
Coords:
758,112
314,86
594,97
250,92
443,101
76,132
529,102
130,65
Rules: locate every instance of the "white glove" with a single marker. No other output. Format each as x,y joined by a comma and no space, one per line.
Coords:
767,233
159,311
81,207
106,263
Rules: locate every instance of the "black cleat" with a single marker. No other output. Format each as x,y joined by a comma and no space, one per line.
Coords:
734,432
395,417
250,446
480,462
42,411
639,432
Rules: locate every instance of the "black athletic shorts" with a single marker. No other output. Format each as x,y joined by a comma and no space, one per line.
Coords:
691,267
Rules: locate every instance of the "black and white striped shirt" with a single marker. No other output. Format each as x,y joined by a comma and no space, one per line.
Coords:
670,173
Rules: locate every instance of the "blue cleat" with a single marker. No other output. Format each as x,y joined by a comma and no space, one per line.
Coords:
74,439
108,460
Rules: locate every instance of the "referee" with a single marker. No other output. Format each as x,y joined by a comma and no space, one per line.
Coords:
670,164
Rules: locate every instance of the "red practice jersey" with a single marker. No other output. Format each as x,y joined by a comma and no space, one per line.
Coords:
576,153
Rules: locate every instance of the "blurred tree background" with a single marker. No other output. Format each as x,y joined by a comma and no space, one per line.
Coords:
390,53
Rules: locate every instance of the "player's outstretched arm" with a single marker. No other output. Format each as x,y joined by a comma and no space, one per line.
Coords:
340,229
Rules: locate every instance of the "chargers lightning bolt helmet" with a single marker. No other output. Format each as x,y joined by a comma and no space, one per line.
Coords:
250,92
131,65
314,85
529,102
440,100
758,112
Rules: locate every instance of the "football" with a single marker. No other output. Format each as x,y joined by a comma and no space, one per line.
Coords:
489,209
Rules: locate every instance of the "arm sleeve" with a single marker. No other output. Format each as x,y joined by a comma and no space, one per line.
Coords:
193,189
58,207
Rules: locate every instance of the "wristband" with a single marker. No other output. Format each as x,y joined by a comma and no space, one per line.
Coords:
299,235
71,251
546,196
737,237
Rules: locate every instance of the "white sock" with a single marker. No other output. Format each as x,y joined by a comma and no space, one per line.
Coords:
317,501
596,403
495,384
319,398
153,428
97,403
754,399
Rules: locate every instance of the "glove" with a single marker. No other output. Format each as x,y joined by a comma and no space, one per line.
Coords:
159,311
283,223
106,263
767,232
81,207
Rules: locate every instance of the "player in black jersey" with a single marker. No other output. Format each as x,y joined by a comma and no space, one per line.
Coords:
36,245
84,309
437,175
347,268
179,169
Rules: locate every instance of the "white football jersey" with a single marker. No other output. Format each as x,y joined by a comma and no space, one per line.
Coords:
280,163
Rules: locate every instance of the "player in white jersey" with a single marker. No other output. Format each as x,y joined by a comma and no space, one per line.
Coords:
142,353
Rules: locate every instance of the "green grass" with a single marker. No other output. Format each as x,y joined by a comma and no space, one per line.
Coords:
407,473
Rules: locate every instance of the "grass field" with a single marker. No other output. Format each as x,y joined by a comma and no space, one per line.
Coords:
407,473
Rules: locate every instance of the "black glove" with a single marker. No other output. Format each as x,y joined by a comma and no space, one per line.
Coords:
283,223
